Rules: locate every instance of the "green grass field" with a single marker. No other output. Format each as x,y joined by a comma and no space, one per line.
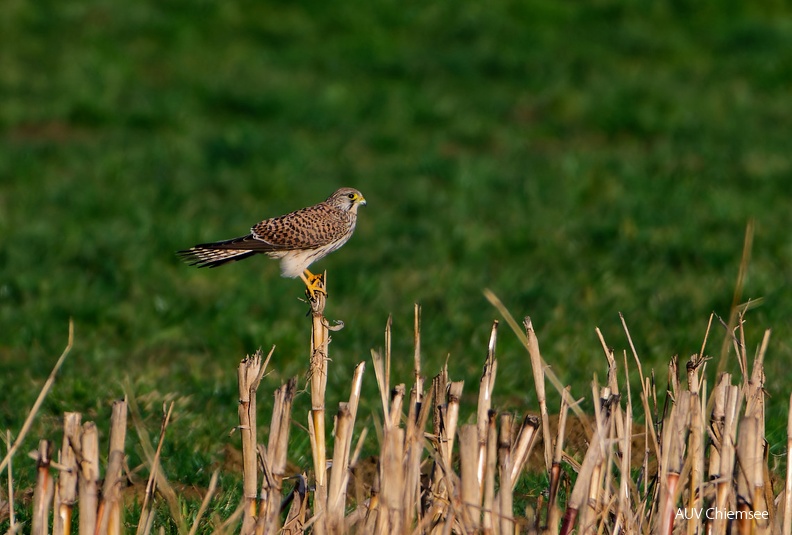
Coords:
579,159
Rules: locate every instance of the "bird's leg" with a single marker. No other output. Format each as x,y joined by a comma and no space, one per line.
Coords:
313,283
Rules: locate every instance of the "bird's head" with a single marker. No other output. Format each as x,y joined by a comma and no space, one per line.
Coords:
347,199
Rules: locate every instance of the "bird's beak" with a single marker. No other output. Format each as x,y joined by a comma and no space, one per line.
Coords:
362,201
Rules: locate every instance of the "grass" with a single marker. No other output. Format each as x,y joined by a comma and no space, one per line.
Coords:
579,160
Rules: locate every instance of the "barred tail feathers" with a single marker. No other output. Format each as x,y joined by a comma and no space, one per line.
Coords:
223,252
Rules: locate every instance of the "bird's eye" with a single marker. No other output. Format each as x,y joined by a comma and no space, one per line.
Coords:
351,196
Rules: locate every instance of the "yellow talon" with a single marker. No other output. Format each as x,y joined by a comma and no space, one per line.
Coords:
313,283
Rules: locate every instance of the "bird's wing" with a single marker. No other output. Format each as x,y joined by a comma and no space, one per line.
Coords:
307,228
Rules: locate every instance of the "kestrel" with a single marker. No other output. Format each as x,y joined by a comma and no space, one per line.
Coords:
298,239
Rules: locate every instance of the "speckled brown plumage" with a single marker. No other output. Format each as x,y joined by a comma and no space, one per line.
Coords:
298,239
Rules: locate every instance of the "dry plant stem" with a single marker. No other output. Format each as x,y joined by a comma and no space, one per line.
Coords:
613,384
717,422
547,372
110,512
588,517
274,459
39,400
417,415
505,500
146,514
754,388
359,447
608,492
673,376
645,391
312,436
577,499
353,520
486,387
624,469
440,389
338,476
740,344
696,449
89,478
56,502
388,334
320,339
295,518
698,396
231,524
724,486
706,335
390,519
417,354
553,511
471,490
762,499
674,437
345,424
537,366
378,363
489,474
649,430
452,418
769,502
66,492
414,444
445,424
651,435
649,427
205,502
354,402
632,346
787,525
42,495
147,523
523,445
692,369
397,402
354,394
413,453
248,373
738,287
11,516
750,459
627,379
436,487
372,512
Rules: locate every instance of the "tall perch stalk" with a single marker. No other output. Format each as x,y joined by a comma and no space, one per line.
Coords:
318,380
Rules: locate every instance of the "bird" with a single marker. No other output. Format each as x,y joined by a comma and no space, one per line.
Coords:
297,239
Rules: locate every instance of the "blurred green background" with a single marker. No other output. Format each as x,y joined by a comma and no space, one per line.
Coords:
580,159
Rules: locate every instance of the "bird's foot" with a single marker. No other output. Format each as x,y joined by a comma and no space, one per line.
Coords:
313,284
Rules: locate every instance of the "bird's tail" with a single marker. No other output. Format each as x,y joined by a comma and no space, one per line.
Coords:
218,253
